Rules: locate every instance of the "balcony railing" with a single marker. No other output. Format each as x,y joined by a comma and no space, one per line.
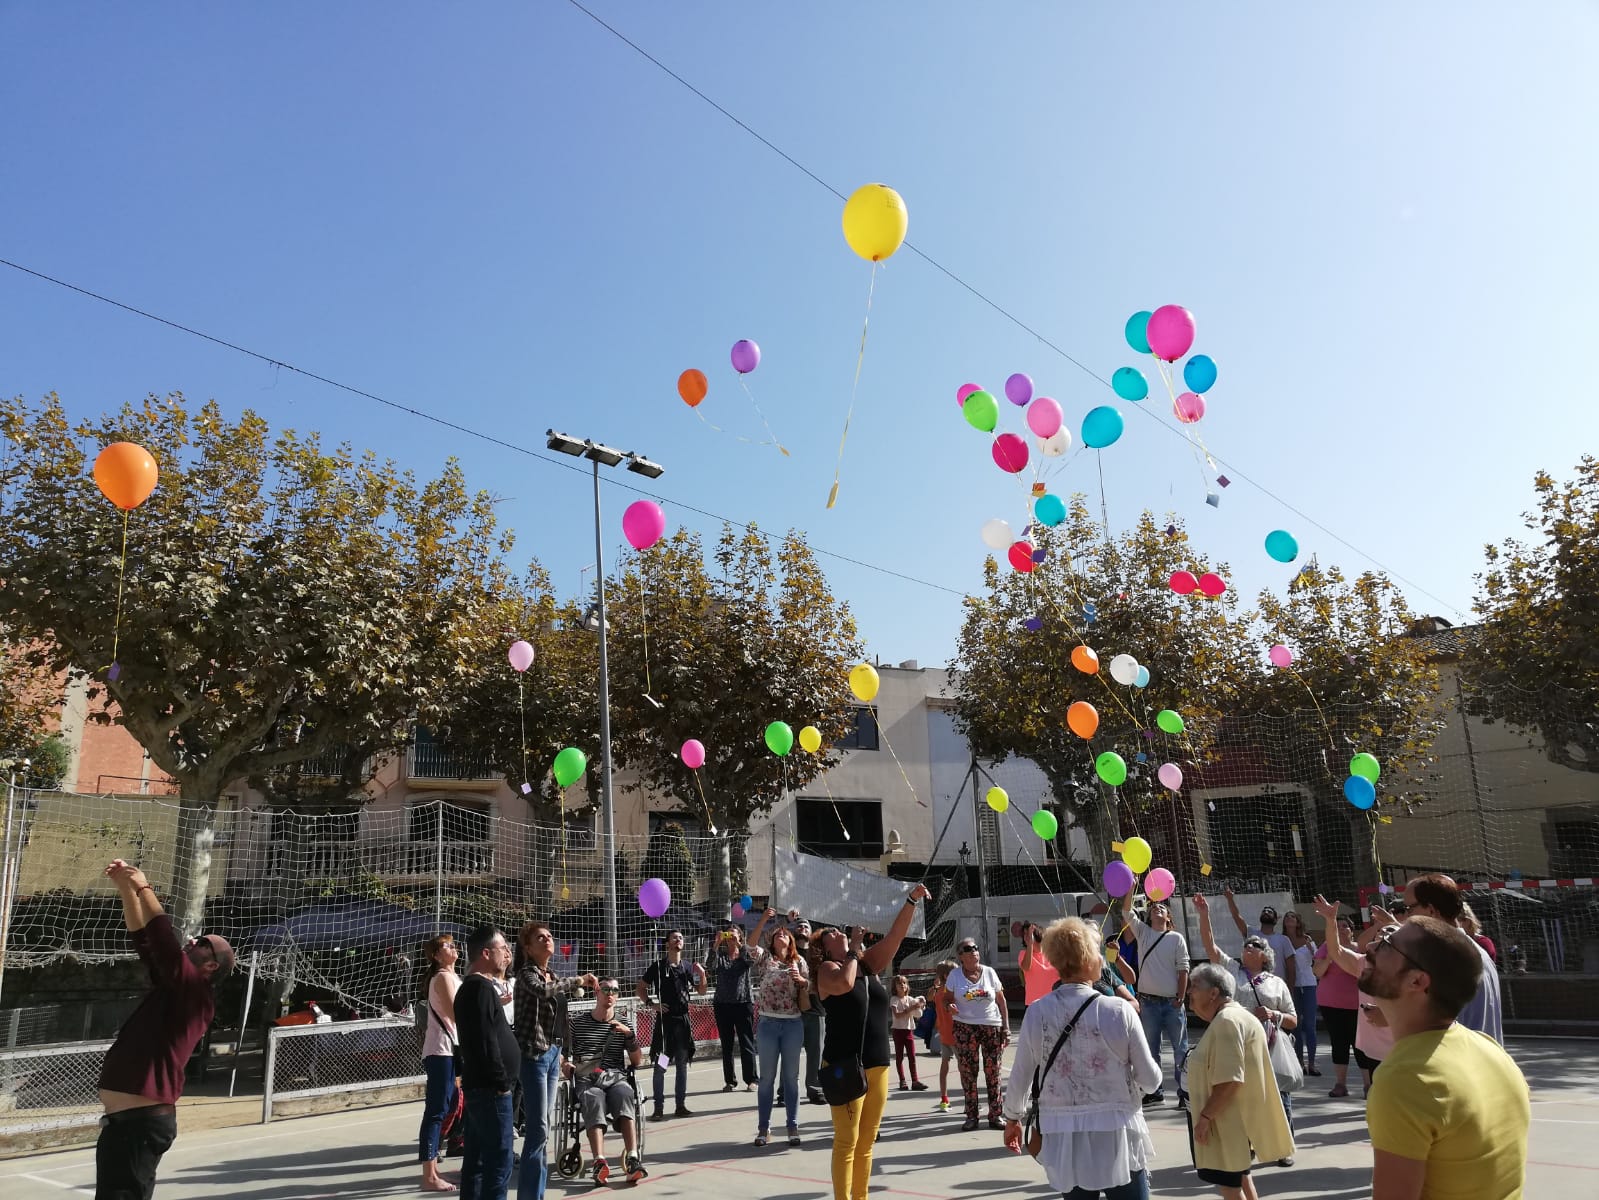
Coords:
425,760
388,860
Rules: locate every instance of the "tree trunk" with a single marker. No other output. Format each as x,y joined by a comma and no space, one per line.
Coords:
191,862
738,864
720,896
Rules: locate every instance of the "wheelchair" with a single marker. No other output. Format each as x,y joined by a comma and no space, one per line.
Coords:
568,1137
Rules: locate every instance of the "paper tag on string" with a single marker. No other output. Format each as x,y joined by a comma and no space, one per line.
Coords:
1204,868
1116,847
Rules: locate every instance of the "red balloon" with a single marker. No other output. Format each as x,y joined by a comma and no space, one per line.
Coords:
1212,585
1010,453
1021,556
1183,583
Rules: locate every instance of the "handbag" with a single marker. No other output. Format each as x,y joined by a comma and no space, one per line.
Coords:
1284,1062
843,1082
1032,1131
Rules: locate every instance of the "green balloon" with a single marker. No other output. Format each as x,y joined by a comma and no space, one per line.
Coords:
1169,721
570,765
981,411
1366,766
1112,768
779,737
1044,823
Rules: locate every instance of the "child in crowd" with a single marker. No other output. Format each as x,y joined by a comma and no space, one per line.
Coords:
905,1009
939,998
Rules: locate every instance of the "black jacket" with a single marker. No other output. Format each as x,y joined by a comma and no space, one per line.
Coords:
490,1057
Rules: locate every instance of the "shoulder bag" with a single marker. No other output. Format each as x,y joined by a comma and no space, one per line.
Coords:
1032,1132
1284,1062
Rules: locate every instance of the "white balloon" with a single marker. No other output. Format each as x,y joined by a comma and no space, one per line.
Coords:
997,534
1124,669
1056,443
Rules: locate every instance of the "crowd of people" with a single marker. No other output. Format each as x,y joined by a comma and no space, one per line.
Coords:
1417,999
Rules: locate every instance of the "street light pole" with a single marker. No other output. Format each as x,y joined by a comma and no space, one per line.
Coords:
607,799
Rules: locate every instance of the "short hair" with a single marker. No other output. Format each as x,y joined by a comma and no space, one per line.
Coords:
1212,978
1438,892
943,969
1259,943
670,933
479,940
529,927
1452,961
1072,946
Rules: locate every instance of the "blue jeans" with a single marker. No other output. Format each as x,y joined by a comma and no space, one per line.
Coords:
1136,1188
776,1036
438,1100
1166,1016
1305,1031
490,1145
541,1074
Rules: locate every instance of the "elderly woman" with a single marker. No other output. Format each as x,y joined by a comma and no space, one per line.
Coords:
1090,1109
1259,989
1236,1113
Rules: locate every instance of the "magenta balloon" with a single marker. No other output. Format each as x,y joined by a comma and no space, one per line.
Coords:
1170,332
1010,453
1019,389
1171,776
693,754
1159,884
1118,878
1188,407
965,389
643,524
1281,656
746,356
521,656
1044,417
654,897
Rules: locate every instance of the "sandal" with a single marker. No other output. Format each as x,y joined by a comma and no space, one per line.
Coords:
1340,1090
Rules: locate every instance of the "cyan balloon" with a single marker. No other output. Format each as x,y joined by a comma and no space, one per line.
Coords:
1101,427
1199,373
1130,383
1360,792
1050,509
1138,331
1282,545
1143,677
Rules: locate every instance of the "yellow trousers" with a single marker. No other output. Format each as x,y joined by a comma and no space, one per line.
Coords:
854,1133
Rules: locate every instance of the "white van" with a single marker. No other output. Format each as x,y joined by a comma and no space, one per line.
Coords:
1003,945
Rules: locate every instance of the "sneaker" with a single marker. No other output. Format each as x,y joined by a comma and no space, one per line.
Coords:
793,1135
918,1086
657,1115
761,1138
817,1096
730,1087
749,1087
1340,1090
969,1124
635,1169
943,1105
681,1111
1154,1098
600,1172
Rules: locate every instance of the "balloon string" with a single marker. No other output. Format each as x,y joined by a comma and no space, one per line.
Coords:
521,711
832,496
743,383
122,571
902,772
737,437
1104,508
565,889
840,816
705,804
1021,840
1325,728
1188,429
644,620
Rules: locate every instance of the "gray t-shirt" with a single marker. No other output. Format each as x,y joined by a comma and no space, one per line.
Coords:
1161,958
1482,1011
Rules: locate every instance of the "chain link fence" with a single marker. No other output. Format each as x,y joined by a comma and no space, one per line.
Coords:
50,1087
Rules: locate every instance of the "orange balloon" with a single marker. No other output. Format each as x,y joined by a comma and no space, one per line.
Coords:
1082,718
126,474
691,385
1085,660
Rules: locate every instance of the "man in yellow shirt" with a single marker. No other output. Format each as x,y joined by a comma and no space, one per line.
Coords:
1449,1110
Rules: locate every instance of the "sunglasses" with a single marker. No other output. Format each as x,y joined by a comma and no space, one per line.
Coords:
968,949
1386,938
614,991
204,940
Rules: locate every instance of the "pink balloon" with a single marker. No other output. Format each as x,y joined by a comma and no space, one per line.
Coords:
1188,408
1281,656
738,911
1044,417
1171,776
1170,332
965,389
643,524
1159,884
693,754
1212,585
1010,452
521,656
1182,582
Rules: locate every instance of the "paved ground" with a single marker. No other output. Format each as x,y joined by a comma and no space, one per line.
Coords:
923,1154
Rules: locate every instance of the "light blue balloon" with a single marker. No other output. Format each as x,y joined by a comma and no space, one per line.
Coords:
1101,427
1360,792
1282,545
1199,373
1137,331
1143,678
1130,383
1050,509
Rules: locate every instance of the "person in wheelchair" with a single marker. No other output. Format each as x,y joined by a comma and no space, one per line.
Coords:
601,1052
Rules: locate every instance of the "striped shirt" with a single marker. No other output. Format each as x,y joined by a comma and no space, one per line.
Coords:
606,1043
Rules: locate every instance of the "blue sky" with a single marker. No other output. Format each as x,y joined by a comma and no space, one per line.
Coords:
1381,218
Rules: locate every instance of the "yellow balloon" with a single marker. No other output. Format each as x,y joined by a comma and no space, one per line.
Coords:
875,221
1137,854
863,682
810,739
998,799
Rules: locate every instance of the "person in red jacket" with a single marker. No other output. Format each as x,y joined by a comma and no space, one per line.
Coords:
142,1076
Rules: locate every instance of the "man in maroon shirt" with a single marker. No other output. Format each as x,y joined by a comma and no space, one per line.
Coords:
143,1073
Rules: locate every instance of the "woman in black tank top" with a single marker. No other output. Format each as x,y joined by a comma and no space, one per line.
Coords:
857,1024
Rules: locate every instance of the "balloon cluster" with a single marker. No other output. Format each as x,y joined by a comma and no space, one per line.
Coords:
1121,877
1167,334
1360,789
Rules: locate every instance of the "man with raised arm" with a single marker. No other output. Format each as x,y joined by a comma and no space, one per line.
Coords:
1162,989
1282,949
142,1076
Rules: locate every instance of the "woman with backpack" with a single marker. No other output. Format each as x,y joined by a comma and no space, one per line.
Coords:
438,1056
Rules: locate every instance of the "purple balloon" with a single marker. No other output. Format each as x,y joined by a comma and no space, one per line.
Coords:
1019,389
654,897
1118,878
746,356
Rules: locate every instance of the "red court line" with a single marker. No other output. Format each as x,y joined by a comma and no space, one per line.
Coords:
1533,1162
729,1166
